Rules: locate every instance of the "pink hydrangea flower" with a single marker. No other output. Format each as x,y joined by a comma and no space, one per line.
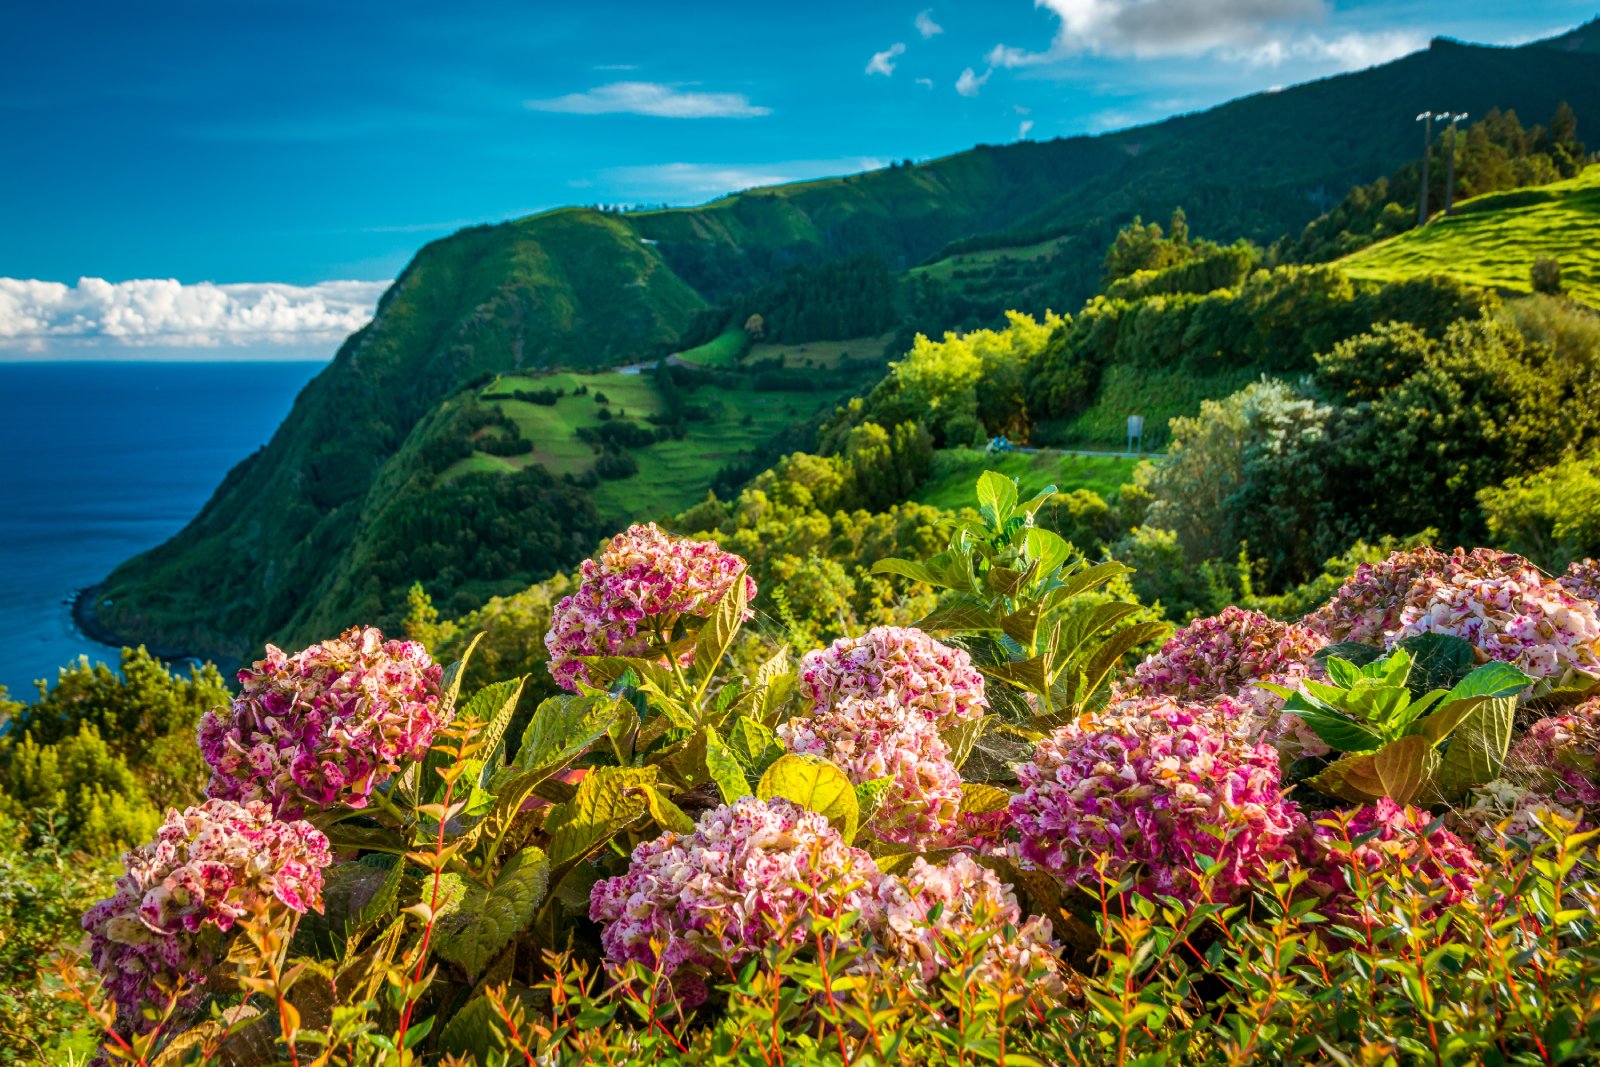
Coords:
1504,809
752,872
1401,848
1559,756
1509,610
1582,579
1367,606
971,901
642,580
178,906
898,663
1150,788
871,739
326,725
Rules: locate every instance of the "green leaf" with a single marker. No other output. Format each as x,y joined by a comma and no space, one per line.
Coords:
1004,581
475,1032
754,746
1353,778
608,800
1048,549
1404,767
906,568
815,784
1341,672
493,704
720,628
1028,674
870,796
959,616
725,768
488,920
1477,748
997,496
1439,661
499,718
1084,581
667,815
960,738
1038,500
1350,651
564,726
1339,732
977,798
355,896
1494,679
455,674
606,671
1022,626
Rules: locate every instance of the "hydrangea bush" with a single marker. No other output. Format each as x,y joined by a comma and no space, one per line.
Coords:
325,726
182,897
900,848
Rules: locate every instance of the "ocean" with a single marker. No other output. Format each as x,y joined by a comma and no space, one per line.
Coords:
99,461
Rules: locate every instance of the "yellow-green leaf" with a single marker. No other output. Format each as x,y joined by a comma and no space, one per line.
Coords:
815,784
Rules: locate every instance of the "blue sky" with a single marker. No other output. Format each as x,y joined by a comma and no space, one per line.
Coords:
296,143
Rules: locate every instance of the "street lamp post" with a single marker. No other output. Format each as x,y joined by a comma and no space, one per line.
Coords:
1450,166
1426,118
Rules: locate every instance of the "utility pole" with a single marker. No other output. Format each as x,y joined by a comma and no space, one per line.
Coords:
1450,167
1426,118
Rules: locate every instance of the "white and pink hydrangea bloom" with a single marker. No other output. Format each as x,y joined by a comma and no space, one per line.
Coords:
1366,609
1559,757
1582,579
1149,790
923,921
897,663
183,896
324,726
752,873
641,582
872,739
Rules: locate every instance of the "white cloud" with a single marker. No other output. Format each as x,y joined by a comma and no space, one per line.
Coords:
703,180
926,83
925,24
883,62
970,82
652,98
616,66
38,316
1148,28
1023,130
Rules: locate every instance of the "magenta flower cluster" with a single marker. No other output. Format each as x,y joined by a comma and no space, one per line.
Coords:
642,581
923,920
1387,841
325,726
872,739
1367,606
1226,655
179,904
1151,791
750,874
900,664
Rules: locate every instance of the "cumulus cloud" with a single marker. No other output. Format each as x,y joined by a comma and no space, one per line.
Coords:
925,24
655,99
36,316
883,62
1024,129
1150,28
1350,51
970,81
678,180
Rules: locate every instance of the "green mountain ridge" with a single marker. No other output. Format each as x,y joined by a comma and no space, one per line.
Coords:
287,546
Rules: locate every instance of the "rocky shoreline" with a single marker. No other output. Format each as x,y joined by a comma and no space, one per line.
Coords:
90,625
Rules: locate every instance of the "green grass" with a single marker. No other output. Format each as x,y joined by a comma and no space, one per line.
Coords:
1493,240
944,269
1158,395
721,351
820,353
956,470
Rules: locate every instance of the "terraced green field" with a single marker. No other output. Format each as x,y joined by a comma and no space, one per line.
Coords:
820,353
956,469
721,351
1493,240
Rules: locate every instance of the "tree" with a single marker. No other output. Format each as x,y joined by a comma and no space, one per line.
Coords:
755,326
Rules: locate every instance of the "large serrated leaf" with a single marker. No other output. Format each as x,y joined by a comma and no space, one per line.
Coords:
1477,747
1085,580
1404,767
1353,778
720,628
476,1031
978,798
817,785
960,738
1029,674
959,616
563,726
1439,661
906,568
488,919
354,896
755,746
997,496
667,815
725,768
1048,549
607,801
493,705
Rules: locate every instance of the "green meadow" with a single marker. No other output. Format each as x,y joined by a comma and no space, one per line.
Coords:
955,469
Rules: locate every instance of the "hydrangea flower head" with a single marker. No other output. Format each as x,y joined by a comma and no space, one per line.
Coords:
325,725
1225,655
1559,756
1504,809
920,917
1149,787
183,895
901,664
1367,606
871,739
1405,846
641,580
751,872
1582,579
1508,610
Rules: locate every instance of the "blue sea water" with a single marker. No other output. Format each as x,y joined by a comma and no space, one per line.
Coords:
99,461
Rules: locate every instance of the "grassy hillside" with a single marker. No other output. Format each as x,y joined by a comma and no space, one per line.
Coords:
347,478
955,471
1493,240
